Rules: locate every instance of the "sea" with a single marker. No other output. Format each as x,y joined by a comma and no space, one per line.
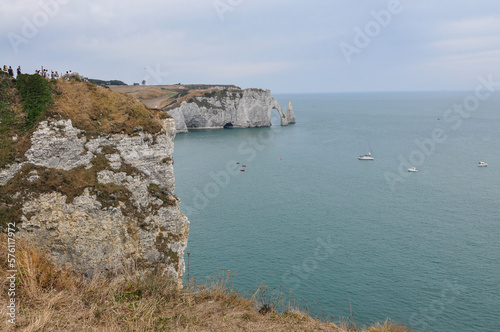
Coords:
293,212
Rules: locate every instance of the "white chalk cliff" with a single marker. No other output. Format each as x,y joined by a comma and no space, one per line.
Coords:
230,109
99,202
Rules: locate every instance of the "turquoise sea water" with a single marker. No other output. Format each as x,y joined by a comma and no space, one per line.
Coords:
421,248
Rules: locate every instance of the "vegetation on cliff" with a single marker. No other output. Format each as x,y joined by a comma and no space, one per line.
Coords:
29,99
22,104
103,82
36,93
168,97
100,111
97,111
32,180
54,299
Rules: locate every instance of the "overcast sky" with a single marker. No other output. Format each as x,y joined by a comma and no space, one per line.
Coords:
286,46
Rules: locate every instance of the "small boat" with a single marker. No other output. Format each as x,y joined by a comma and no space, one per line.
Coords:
367,156
242,170
243,165
412,169
482,164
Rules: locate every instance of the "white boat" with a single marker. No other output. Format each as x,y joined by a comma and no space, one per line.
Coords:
412,169
482,164
367,156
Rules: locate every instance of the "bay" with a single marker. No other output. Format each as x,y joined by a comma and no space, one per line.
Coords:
346,235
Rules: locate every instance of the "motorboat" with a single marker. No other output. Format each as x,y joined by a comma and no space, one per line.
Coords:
482,164
412,169
367,156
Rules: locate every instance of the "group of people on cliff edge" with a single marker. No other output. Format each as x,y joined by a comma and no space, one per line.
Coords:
10,71
54,74
42,72
45,73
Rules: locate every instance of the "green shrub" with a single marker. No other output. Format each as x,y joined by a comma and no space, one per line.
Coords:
36,93
7,120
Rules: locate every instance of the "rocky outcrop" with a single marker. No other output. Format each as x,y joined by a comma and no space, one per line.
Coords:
289,115
99,203
180,122
229,109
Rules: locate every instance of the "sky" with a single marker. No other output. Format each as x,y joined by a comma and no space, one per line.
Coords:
291,46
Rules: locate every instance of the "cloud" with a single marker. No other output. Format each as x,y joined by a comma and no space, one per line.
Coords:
283,45
465,64
467,44
235,70
464,48
474,35
485,25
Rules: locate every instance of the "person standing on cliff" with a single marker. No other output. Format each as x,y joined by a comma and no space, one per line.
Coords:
19,70
11,72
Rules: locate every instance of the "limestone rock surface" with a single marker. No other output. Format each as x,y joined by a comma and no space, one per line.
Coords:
230,109
102,203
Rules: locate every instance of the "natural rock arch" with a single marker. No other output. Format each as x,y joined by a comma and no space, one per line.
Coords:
276,106
247,109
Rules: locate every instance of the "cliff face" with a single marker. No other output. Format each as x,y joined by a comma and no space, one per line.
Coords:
211,106
93,191
231,109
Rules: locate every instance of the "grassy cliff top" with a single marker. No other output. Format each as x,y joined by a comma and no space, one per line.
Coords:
99,110
167,97
29,99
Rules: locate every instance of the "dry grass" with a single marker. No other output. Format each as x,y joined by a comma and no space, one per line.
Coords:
388,326
167,97
98,110
55,299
